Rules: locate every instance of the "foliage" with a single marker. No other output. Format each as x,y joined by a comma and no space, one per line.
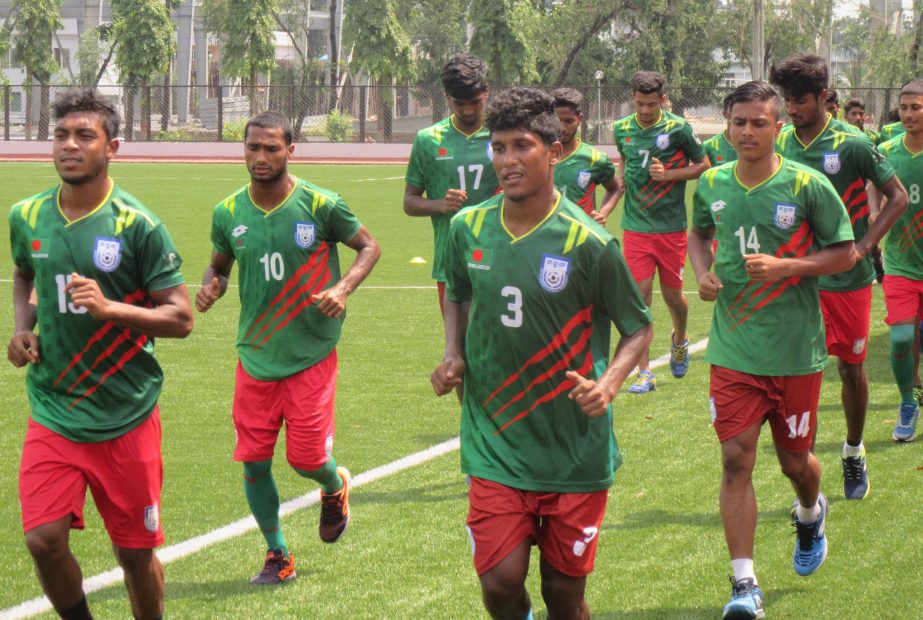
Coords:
339,126
28,32
245,30
500,37
380,45
233,131
145,39
437,29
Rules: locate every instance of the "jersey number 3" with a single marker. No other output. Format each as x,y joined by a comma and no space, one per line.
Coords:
513,317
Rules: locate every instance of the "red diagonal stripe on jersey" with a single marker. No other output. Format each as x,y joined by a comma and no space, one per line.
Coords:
586,202
321,252
544,398
561,364
678,160
122,337
907,235
295,311
126,357
858,184
582,316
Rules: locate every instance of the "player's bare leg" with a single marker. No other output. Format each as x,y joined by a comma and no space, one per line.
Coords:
738,499
504,586
803,470
646,286
56,567
563,595
144,581
678,305
855,397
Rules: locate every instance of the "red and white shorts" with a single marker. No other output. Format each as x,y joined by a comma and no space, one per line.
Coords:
647,253
846,320
903,299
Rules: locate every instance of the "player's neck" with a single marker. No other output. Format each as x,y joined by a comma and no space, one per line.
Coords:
807,133
570,147
468,130
268,196
78,200
914,142
753,172
522,216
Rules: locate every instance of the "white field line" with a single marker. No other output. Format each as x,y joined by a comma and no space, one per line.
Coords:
232,530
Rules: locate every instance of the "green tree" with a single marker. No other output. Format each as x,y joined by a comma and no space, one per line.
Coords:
500,37
28,32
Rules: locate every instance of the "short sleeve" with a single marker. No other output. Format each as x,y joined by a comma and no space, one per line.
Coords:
692,146
827,213
416,176
873,165
342,224
22,257
603,169
457,284
160,260
220,241
617,293
701,214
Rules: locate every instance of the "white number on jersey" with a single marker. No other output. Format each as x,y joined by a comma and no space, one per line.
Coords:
514,318
273,266
752,242
645,154
477,169
914,193
64,306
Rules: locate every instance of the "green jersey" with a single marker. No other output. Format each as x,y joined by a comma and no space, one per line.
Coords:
541,304
719,149
873,135
891,130
286,255
768,328
849,160
96,380
578,174
444,158
655,206
903,248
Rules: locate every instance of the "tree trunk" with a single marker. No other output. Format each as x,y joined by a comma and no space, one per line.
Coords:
165,106
30,115
254,96
333,62
43,110
583,38
130,92
917,36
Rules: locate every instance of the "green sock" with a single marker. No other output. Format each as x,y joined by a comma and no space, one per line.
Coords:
263,498
902,360
327,476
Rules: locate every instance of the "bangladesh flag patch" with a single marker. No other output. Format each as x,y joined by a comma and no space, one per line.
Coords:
479,258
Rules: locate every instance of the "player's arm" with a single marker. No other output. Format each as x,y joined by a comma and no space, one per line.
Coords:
701,257
615,189
832,259
170,316
449,374
214,281
23,346
688,173
896,202
415,204
333,300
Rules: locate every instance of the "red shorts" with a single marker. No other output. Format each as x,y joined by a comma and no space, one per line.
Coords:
125,475
565,526
846,321
903,299
304,401
646,253
739,400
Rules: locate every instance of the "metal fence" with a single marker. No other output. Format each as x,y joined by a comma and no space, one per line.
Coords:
365,113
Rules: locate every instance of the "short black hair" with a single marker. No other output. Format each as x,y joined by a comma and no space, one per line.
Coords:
855,102
800,74
754,91
726,103
568,98
833,96
84,99
913,88
529,109
464,77
893,114
647,82
271,120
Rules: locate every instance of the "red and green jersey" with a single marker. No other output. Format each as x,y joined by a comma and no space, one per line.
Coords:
541,304
719,149
889,131
903,246
578,174
849,160
286,255
96,380
655,206
444,158
768,328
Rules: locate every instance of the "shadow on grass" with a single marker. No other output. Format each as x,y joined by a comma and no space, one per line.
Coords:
653,518
446,492
682,613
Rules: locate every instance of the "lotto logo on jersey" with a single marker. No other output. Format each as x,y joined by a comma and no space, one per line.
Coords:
583,178
663,141
304,235
152,518
107,254
553,275
785,215
831,163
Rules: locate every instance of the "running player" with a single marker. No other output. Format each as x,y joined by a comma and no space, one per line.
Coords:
450,161
903,285
545,283
659,153
779,225
284,233
850,161
105,278
583,167
718,148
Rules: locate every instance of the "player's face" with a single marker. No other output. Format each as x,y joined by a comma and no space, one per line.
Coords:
469,113
570,123
856,116
805,110
647,106
81,149
524,163
911,112
753,130
832,108
266,154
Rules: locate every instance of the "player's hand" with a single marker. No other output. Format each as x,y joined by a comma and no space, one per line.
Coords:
765,268
332,302
85,293
591,396
656,169
599,217
709,286
448,375
208,295
23,349
454,200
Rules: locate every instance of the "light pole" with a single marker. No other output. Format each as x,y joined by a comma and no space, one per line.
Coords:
599,108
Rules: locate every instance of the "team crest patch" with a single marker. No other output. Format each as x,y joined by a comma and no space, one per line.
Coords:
831,163
583,178
553,275
785,215
858,346
304,234
107,254
663,141
152,518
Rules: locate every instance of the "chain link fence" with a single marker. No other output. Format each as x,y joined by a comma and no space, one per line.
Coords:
214,113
